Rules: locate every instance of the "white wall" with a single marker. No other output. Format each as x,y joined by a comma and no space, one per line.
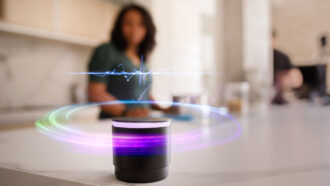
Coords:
186,42
257,53
299,25
33,72
230,37
233,39
247,55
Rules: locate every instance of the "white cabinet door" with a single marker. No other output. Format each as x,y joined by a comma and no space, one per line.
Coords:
34,13
87,18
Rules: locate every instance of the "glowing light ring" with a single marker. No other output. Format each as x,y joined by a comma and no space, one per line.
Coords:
52,125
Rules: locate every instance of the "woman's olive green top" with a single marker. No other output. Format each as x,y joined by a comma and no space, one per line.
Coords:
117,68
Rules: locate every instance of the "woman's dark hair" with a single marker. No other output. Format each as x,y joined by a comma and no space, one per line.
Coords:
147,44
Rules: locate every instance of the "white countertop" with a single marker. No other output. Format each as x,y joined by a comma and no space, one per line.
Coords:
287,145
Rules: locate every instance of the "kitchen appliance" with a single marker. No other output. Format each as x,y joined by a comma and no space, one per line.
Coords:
141,149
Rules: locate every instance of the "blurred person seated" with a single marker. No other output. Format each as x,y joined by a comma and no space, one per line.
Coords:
133,36
286,76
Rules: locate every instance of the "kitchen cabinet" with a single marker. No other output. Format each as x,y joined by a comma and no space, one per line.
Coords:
34,13
86,19
89,18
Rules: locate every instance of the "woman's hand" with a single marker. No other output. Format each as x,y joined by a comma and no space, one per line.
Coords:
137,112
97,92
172,110
169,110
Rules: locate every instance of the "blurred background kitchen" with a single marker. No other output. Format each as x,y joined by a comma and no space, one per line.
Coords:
42,41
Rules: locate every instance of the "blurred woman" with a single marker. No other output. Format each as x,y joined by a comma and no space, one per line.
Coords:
133,36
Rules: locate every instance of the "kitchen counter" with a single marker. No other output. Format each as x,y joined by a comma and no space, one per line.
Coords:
286,145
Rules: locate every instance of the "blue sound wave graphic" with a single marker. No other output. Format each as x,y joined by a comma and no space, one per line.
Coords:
142,73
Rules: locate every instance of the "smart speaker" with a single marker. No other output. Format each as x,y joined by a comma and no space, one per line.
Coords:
141,149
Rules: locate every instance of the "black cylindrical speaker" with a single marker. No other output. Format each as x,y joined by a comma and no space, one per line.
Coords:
141,149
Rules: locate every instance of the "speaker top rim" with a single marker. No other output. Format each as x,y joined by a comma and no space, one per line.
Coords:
140,123
140,119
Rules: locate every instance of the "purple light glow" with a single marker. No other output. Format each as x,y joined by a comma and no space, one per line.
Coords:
139,140
54,126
